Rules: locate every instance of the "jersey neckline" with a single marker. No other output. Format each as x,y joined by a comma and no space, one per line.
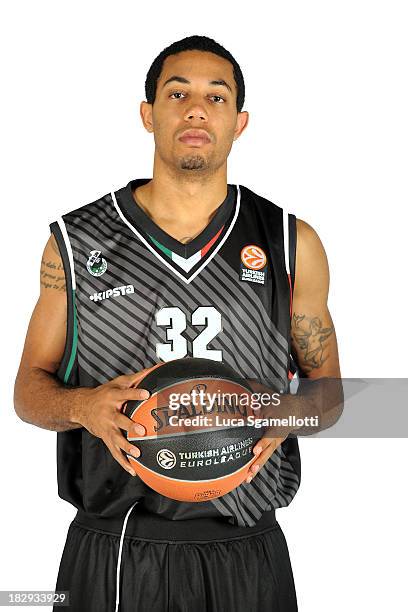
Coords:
141,220
185,268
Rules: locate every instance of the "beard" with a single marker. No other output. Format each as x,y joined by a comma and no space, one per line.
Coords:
193,162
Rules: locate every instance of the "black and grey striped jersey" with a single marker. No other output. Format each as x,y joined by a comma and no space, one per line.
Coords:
136,296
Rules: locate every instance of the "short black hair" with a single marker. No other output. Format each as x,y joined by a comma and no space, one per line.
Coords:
193,43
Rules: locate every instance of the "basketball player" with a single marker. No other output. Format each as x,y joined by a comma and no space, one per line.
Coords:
182,264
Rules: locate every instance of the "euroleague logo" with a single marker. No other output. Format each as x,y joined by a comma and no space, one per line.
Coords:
253,264
253,257
166,458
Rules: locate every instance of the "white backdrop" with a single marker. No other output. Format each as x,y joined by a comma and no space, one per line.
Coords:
327,139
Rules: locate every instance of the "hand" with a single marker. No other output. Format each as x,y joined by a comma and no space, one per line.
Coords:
267,445
101,415
263,449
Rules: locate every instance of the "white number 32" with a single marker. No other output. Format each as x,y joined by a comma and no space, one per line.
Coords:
176,322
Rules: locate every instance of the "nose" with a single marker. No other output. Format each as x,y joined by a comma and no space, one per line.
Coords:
196,111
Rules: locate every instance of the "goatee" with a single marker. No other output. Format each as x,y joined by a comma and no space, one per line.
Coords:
193,162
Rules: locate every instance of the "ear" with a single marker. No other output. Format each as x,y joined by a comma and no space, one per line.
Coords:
146,113
241,124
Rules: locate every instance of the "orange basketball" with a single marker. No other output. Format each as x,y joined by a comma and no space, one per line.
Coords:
198,444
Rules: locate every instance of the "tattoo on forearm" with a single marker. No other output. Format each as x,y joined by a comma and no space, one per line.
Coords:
310,339
51,277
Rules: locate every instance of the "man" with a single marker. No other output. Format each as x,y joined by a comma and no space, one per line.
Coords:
184,264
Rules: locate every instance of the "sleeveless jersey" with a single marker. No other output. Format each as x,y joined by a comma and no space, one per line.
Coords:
136,296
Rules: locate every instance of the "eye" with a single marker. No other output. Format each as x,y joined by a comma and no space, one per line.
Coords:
176,93
219,99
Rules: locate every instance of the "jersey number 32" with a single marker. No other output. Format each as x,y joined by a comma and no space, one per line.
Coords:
175,321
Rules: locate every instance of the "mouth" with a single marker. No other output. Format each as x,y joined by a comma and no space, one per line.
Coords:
195,138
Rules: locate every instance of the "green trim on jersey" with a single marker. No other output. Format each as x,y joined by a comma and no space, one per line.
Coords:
161,247
187,263
74,341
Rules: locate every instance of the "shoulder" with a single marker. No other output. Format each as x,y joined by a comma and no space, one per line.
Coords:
308,240
102,203
249,194
312,268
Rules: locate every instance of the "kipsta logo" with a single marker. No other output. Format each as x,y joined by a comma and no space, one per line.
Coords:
96,264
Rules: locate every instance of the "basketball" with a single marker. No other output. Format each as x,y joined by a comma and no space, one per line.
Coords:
198,442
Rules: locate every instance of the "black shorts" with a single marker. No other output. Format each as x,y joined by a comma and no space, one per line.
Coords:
200,565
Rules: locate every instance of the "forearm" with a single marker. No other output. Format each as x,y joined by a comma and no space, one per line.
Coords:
42,400
322,398
318,402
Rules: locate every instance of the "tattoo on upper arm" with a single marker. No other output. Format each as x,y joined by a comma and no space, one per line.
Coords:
50,275
310,337
52,272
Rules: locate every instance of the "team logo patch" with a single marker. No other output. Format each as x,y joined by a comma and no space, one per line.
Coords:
253,264
96,264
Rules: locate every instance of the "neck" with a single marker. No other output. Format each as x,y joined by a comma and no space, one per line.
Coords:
189,197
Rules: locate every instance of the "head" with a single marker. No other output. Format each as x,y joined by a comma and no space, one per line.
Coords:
194,97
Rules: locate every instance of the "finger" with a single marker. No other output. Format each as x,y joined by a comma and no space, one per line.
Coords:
133,428
118,455
133,394
120,442
258,449
124,396
259,461
268,447
264,441
127,380
132,379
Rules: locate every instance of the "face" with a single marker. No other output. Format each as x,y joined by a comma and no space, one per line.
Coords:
194,117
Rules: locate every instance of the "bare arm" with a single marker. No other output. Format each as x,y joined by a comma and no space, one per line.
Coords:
41,399
313,335
314,342
314,346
